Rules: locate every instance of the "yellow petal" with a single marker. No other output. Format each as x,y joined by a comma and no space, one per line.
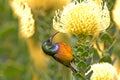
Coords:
87,18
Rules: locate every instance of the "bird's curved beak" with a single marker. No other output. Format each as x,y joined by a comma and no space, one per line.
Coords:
51,38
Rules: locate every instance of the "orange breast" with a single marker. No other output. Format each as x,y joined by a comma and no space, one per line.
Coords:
64,54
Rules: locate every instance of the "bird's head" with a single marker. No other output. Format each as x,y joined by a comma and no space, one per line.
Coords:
48,47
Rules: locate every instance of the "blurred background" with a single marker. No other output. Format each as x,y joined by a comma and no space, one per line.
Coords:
21,58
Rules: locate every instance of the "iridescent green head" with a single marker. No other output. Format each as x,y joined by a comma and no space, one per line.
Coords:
49,48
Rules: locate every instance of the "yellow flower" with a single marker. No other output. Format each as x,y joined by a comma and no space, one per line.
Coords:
119,76
116,13
23,12
87,18
47,4
103,71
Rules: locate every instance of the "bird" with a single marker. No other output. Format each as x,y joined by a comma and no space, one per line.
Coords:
60,51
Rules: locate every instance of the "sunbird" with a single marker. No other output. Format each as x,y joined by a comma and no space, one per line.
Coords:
60,51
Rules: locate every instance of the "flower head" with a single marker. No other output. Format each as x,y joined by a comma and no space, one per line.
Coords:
23,12
87,18
116,13
47,4
103,71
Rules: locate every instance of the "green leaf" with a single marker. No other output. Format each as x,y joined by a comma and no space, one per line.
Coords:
80,77
89,60
106,38
82,64
89,75
87,69
85,54
96,56
106,58
80,49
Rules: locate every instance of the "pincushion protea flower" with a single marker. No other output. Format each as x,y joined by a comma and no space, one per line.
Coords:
47,4
23,12
87,18
116,13
103,71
